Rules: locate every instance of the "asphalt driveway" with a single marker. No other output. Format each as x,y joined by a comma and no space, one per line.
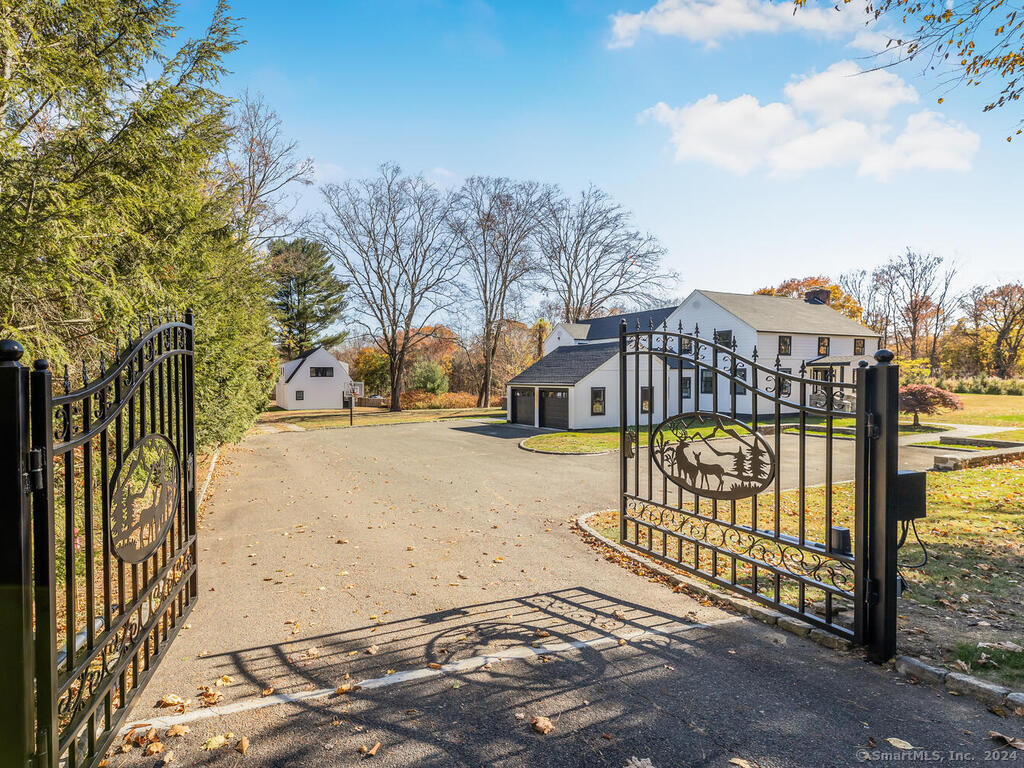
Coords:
435,564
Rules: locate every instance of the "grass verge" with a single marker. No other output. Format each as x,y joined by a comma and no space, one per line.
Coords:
993,410
373,416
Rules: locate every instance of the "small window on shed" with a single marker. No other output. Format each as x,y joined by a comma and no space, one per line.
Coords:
823,343
597,404
724,338
300,395
785,345
321,373
645,399
858,346
738,388
685,388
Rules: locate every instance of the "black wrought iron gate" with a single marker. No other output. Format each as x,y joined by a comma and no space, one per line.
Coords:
768,482
98,553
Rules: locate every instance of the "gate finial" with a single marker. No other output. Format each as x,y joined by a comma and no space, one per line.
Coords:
10,351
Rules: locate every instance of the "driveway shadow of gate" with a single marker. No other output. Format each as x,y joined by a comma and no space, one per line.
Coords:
678,693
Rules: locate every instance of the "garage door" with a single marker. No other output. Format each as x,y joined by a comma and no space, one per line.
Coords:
522,405
554,408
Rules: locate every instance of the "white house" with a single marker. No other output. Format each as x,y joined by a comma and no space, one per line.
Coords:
576,384
315,380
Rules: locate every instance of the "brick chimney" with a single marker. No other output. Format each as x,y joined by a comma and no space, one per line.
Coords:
818,296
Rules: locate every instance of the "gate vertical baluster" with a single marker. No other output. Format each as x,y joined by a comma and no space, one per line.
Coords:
88,536
860,520
829,419
70,593
664,411
650,419
104,448
622,431
636,416
190,447
17,724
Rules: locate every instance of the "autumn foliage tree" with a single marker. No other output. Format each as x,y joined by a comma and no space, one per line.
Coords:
922,398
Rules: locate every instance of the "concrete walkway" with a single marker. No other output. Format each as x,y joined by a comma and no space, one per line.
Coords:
435,563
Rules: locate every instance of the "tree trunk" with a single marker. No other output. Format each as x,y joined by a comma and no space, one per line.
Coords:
917,419
397,363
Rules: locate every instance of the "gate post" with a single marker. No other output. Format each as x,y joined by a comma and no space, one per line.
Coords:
17,705
882,425
623,426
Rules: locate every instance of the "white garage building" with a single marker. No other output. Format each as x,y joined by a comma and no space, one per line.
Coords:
315,380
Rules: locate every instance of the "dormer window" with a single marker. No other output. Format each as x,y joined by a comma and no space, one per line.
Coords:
325,372
823,343
724,338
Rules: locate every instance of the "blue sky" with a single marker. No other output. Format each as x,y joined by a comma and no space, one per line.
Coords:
719,123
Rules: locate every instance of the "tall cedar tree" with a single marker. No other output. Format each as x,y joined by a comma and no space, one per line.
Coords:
112,204
308,297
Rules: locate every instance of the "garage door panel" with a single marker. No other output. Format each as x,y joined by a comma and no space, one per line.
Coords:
554,408
522,405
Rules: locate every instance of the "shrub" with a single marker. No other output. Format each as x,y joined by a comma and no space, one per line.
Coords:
429,376
922,398
993,386
418,399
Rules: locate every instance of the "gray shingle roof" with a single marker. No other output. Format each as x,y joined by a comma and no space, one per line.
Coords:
302,361
781,314
568,365
608,327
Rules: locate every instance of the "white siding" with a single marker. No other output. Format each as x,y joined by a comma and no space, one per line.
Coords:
557,338
319,392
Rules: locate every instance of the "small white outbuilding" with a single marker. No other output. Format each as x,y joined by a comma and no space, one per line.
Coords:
315,380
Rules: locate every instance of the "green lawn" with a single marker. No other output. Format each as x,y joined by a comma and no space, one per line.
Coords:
373,416
994,410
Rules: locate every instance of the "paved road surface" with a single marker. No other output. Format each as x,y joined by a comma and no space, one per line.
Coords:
375,553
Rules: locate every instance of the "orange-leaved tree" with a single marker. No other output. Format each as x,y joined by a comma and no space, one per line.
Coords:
796,287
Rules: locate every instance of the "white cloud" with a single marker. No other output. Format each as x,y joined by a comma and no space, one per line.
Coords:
929,141
709,20
735,135
843,90
742,135
873,40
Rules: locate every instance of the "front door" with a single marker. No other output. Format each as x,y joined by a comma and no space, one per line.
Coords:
554,408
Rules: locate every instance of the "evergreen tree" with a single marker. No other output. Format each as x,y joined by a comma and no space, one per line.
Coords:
308,296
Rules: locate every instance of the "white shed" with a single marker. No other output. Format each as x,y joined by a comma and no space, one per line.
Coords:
315,380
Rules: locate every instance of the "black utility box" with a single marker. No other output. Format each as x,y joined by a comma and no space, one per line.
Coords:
910,495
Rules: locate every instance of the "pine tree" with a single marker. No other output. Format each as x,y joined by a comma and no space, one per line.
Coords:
308,296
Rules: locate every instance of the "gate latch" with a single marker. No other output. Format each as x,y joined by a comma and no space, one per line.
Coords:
34,476
871,428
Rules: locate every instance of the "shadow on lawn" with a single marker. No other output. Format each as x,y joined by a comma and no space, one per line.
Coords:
680,694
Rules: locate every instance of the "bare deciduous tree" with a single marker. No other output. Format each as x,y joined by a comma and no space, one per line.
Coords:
915,291
591,255
494,219
999,312
391,239
265,167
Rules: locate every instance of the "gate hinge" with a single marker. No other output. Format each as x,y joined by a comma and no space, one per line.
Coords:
871,590
871,428
34,476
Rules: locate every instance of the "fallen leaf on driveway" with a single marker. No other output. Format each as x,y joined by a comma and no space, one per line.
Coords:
542,724
224,680
900,743
242,745
154,748
739,761
170,700
1009,741
267,691
214,742
177,730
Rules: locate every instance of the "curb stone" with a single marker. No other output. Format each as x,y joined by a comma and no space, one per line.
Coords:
906,666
